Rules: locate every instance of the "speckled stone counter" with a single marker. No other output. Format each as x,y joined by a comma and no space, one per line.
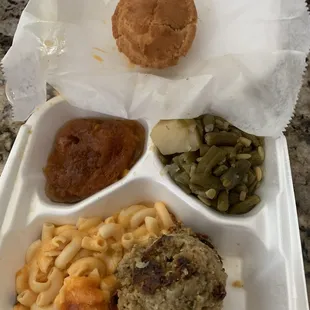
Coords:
298,132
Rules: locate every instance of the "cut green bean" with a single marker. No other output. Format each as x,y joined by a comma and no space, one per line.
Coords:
230,150
236,131
251,177
259,173
205,200
253,138
221,124
221,138
239,147
211,193
206,181
242,195
208,122
185,188
172,169
241,188
222,201
187,168
213,157
188,157
246,142
182,177
198,190
256,159
203,149
233,197
261,141
261,152
192,170
235,175
225,171
243,156
200,127
218,171
253,187
244,206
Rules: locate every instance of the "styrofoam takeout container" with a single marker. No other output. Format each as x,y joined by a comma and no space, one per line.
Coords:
261,249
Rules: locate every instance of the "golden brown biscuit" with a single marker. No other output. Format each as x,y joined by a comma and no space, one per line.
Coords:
154,33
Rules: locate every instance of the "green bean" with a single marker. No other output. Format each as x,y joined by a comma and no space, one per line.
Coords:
213,157
187,168
211,193
197,190
208,122
203,149
236,131
222,201
192,170
177,160
259,173
261,152
207,181
239,147
253,138
251,177
185,188
221,124
182,177
247,149
172,169
241,188
205,200
218,171
246,142
243,156
244,206
200,127
221,138
164,159
235,175
245,179
261,140
233,197
231,151
253,187
188,157
243,196
256,159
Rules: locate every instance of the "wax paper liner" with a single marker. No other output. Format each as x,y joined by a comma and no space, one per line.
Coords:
246,63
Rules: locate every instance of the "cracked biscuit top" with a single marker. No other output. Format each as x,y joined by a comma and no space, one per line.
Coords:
154,33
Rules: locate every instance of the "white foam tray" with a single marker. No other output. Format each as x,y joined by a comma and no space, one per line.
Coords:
261,248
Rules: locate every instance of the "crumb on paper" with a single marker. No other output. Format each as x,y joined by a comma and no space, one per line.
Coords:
30,131
99,49
237,284
98,58
48,43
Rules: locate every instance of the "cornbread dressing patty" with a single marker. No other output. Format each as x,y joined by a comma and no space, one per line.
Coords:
154,33
181,270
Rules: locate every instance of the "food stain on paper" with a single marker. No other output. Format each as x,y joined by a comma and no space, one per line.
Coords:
237,284
99,49
98,58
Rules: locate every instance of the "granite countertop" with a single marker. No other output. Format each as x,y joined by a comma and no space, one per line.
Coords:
297,133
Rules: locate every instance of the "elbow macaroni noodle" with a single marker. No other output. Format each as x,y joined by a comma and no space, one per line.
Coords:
91,249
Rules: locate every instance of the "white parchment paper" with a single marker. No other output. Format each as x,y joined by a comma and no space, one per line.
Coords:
246,63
